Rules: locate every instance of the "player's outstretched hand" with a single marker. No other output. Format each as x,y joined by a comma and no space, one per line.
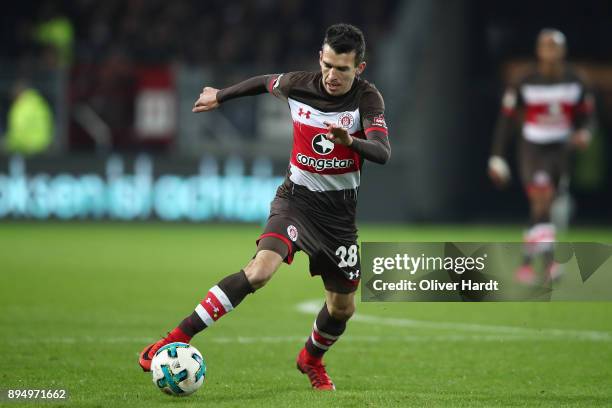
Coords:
338,134
207,100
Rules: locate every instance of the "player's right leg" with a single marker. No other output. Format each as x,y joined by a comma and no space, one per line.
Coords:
224,297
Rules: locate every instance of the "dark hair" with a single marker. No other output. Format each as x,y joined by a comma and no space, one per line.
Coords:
344,38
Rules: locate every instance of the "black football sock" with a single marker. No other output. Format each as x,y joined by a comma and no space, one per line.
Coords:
220,299
325,333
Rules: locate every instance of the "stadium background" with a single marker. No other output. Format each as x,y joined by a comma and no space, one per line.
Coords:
84,224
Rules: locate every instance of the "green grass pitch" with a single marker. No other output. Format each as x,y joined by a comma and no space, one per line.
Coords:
79,301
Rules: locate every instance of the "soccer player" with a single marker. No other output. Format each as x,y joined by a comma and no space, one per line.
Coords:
338,122
553,110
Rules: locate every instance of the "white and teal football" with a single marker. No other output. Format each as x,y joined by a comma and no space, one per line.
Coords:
178,369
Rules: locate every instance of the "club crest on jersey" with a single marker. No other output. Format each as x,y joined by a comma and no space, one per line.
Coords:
321,145
379,120
346,120
292,232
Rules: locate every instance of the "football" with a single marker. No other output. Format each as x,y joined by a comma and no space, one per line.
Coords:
178,369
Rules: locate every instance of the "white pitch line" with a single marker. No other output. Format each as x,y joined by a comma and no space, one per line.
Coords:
313,306
471,332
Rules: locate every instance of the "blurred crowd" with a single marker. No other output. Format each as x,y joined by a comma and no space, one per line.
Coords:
103,46
213,32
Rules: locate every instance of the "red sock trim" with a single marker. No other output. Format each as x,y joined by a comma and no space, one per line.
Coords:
322,340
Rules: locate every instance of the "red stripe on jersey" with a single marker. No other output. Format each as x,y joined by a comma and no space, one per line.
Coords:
282,238
213,306
377,129
322,340
303,136
537,114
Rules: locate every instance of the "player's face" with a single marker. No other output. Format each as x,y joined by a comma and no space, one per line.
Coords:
338,70
549,50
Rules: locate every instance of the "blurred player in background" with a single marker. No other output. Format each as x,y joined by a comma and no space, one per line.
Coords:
553,110
338,122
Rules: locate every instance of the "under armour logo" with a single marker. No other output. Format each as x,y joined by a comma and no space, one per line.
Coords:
214,308
301,112
354,275
277,81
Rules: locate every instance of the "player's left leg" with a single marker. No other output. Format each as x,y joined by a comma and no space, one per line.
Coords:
223,297
327,329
